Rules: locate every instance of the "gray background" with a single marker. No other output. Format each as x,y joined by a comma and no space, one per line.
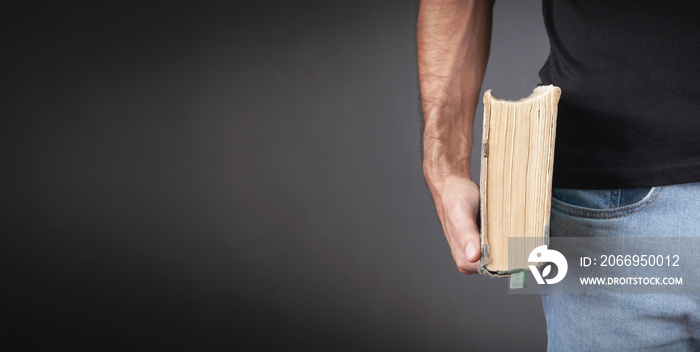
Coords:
205,176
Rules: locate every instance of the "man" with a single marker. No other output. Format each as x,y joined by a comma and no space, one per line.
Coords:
627,161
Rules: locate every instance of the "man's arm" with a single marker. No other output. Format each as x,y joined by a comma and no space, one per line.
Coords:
453,47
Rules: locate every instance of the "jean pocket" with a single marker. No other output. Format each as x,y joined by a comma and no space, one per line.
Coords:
602,204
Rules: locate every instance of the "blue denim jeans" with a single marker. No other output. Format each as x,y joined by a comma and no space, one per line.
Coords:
624,322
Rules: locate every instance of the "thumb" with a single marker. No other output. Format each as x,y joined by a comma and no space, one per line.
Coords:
472,252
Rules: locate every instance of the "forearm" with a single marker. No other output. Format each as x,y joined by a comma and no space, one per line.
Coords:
453,39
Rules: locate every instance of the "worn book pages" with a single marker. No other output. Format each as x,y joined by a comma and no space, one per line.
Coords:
516,178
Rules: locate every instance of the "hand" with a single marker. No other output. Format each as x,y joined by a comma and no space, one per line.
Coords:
457,202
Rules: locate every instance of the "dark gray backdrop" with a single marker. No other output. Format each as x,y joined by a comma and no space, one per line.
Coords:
205,176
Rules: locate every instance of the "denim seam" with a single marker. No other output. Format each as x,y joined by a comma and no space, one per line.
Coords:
601,214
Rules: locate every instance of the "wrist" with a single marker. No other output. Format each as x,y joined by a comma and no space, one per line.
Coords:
442,160
437,172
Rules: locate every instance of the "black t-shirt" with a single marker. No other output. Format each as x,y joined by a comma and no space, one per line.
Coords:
629,71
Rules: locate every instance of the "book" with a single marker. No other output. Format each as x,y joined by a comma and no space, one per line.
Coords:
516,179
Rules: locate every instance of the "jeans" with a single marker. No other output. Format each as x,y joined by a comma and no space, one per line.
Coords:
624,322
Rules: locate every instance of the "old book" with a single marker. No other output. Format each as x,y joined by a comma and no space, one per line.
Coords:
516,179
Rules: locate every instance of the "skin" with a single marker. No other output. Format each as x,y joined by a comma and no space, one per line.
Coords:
453,39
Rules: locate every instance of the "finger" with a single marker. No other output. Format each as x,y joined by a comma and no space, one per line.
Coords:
463,234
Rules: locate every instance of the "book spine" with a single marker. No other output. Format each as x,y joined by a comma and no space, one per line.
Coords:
483,209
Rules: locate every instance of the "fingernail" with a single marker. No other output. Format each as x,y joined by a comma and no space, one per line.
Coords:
472,249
